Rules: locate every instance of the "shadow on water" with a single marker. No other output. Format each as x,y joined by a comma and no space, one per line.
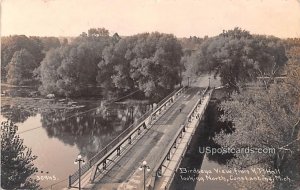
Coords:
56,136
91,131
203,137
17,114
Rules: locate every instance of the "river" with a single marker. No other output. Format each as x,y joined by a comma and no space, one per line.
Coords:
57,131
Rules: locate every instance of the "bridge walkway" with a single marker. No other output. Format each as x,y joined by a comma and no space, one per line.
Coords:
125,174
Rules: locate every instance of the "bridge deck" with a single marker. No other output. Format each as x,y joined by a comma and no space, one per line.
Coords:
172,164
125,174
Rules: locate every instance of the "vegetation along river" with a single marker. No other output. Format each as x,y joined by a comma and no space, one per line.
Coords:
58,130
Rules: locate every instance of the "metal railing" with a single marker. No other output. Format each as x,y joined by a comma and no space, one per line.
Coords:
121,137
179,134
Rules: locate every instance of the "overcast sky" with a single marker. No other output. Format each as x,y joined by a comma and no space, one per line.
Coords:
183,18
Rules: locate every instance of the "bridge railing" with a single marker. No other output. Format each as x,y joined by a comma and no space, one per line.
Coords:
167,155
122,137
96,158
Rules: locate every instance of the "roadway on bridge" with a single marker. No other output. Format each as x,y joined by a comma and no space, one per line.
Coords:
125,173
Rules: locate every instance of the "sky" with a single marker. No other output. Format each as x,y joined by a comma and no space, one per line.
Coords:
183,18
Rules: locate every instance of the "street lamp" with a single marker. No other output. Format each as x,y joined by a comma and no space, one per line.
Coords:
79,160
144,167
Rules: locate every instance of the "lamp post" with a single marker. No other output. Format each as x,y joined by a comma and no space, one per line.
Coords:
79,160
188,82
144,167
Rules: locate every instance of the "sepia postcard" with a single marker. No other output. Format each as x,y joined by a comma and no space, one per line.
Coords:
150,94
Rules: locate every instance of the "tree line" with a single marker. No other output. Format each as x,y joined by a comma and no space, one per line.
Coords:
238,57
149,62
153,63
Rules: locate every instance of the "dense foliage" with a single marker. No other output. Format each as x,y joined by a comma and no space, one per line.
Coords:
70,69
149,62
267,117
238,57
16,160
20,68
15,46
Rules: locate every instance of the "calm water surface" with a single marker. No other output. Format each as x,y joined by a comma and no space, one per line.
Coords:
57,136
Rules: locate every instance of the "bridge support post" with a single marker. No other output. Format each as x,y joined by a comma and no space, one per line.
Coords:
159,171
169,155
118,151
129,140
153,117
104,165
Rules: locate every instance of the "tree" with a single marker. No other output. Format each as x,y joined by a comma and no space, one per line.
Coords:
12,44
293,73
16,160
49,42
97,32
266,118
20,68
190,44
238,57
48,71
116,38
149,62
70,69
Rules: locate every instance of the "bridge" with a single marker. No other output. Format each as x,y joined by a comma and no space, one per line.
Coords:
160,137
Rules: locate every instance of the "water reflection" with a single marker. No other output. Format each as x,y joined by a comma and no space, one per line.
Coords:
57,136
17,114
90,131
